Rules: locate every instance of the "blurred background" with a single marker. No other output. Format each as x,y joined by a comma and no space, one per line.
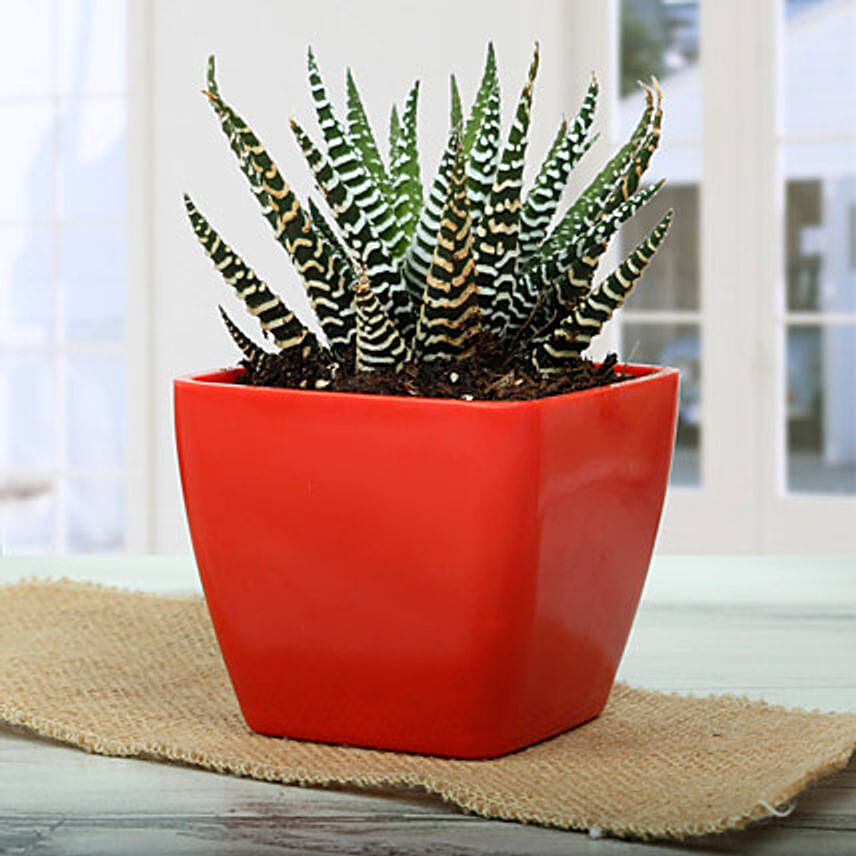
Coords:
105,295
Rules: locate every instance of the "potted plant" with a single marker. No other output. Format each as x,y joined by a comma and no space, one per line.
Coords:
430,531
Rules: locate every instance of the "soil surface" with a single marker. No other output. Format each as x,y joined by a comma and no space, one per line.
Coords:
484,376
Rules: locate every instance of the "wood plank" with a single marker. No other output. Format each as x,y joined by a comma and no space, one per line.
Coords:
306,828
780,629
792,655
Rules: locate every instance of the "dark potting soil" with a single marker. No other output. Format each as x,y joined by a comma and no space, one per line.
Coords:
484,376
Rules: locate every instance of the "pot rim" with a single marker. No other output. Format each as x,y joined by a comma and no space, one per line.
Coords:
223,378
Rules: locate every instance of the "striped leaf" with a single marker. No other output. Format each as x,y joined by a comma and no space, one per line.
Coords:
497,232
483,156
394,134
611,207
599,193
646,149
404,167
581,216
256,358
455,109
421,252
596,239
274,316
599,201
570,145
543,196
476,255
341,302
576,330
555,289
360,132
211,76
346,161
581,125
543,299
489,83
449,318
322,225
379,344
644,123
292,226
358,233
228,126
571,272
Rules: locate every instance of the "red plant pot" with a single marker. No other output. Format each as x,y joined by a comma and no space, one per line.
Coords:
428,575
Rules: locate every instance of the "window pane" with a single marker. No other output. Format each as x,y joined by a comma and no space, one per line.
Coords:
26,291
672,279
26,162
27,407
27,517
91,46
96,515
820,243
820,409
26,55
92,266
820,230
661,37
818,49
676,345
92,158
63,103
95,410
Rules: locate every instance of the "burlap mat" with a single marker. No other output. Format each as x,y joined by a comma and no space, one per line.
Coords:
125,673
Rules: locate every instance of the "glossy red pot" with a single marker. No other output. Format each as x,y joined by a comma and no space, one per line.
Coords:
438,576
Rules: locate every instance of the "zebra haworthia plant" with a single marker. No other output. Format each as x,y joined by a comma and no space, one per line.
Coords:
404,274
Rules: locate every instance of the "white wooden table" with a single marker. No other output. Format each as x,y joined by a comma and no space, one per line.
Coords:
782,629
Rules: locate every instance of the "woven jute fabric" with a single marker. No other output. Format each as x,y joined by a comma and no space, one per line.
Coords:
125,673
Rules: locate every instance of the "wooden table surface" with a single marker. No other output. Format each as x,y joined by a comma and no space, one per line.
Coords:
777,628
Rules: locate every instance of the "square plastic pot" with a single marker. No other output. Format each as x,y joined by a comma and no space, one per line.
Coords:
428,575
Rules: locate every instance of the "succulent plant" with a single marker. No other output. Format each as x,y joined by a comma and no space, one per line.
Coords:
405,275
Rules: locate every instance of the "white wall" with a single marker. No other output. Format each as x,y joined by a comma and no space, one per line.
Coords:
261,50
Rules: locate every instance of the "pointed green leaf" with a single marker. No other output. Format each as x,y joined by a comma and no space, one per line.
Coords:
455,109
555,289
596,239
489,83
496,243
576,330
572,272
359,234
404,169
274,316
346,160
228,126
291,224
256,358
566,151
581,125
418,259
211,76
543,197
642,157
449,317
601,191
322,225
360,132
603,200
379,344
484,154
394,133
